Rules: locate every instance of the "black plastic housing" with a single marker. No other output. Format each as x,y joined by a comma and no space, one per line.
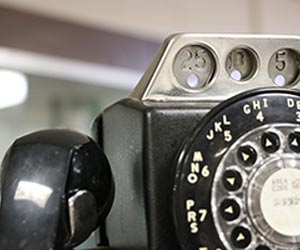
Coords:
141,141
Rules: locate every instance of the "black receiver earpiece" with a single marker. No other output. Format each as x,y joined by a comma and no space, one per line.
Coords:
56,188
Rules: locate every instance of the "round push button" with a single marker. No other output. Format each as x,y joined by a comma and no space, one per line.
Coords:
270,142
247,155
241,237
294,141
230,209
232,180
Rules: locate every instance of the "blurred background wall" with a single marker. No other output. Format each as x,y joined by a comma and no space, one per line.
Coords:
156,19
74,57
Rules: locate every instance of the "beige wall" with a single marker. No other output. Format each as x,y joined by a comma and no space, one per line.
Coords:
158,18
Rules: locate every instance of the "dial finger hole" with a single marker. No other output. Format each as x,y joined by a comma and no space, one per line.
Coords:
232,180
247,155
229,209
270,142
241,237
294,141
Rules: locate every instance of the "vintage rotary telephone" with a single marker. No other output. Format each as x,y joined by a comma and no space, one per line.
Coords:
204,155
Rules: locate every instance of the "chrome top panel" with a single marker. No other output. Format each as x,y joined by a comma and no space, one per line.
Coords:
160,84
